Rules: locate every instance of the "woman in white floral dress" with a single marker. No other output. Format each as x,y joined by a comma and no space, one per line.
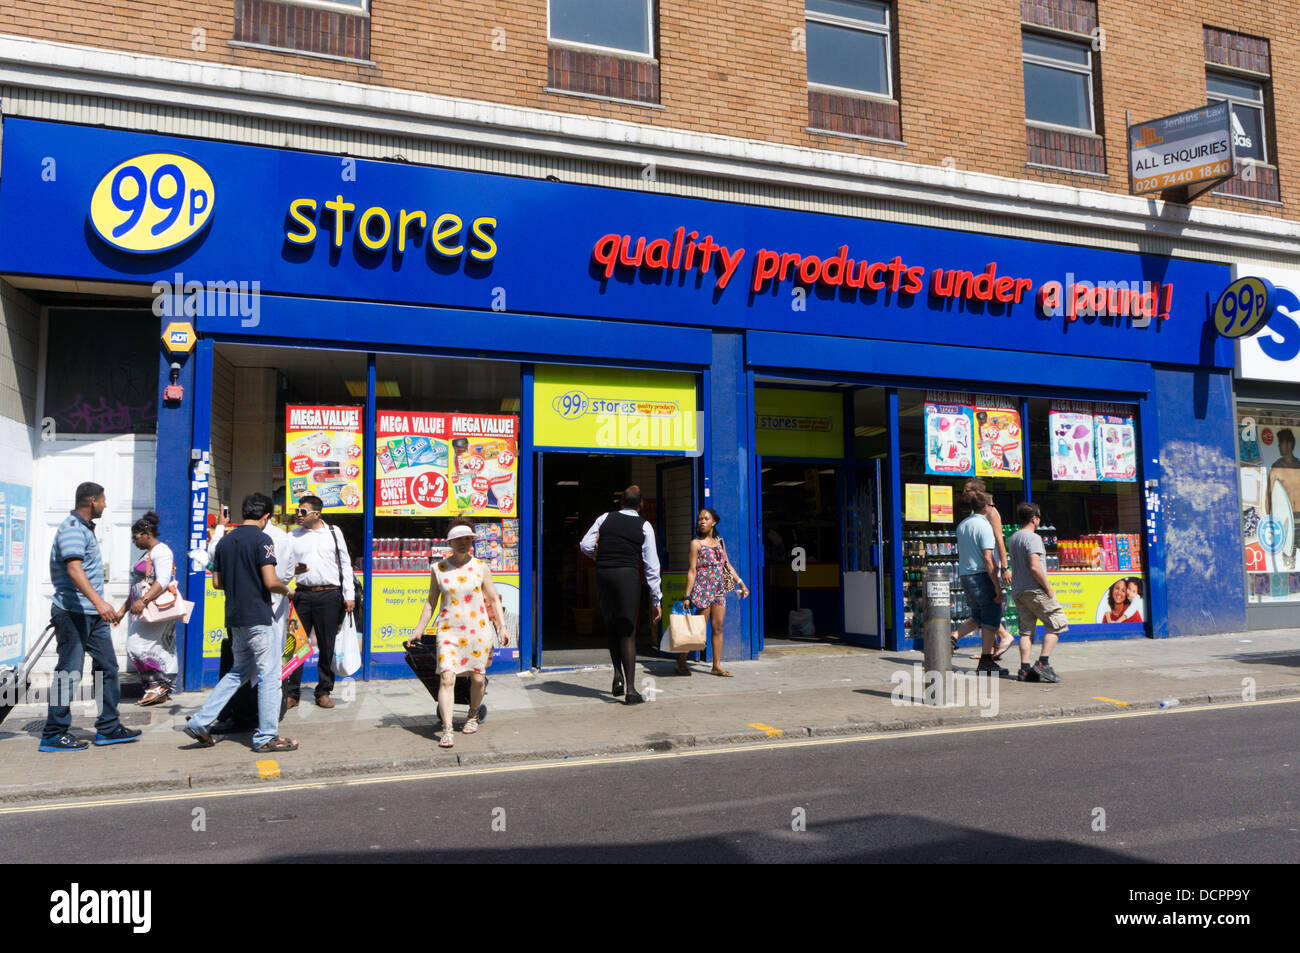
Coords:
469,616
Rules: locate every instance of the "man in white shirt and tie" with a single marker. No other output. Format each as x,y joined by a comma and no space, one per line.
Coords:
324,592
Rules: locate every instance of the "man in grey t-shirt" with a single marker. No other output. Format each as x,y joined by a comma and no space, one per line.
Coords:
1035,600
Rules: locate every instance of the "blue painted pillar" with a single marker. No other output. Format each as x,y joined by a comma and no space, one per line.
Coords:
172,472
728,489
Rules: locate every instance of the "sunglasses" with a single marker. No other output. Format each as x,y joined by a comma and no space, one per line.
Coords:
305,512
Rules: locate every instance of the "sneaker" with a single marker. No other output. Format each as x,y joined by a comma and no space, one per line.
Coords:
119,735
987,666
65,742
1026,674
1045,672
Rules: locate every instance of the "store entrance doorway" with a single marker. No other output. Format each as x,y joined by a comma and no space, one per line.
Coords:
823,452
573,489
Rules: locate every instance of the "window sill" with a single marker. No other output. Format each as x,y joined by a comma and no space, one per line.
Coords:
1061,168
852,94
849,135
1246,198
604,51
284,49
1068,130
603,99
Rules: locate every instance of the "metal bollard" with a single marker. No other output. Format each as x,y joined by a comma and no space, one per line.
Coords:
938,634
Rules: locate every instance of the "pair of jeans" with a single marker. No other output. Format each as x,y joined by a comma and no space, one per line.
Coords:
320,612
257,652
982,597
78,635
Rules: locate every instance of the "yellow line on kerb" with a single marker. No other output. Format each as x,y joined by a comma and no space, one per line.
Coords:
767,729
1113,701
275,788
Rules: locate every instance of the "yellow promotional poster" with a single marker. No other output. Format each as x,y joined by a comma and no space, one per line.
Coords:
998,438
400,596
940,504
322,457
612,408
798,423
1101,597
916,505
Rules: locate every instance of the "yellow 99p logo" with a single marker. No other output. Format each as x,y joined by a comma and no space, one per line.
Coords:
152,203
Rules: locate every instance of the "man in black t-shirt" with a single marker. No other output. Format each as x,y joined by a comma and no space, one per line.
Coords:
244,567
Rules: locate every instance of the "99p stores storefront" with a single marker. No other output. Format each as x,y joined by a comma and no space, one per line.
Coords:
518,350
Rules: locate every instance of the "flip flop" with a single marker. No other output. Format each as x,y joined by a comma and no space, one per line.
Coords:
1003,650
721,673
278,744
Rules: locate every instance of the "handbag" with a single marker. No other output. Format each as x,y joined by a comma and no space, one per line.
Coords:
169,606
347,648
686,632
728,577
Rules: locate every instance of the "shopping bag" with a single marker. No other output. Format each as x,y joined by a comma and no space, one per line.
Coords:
347,648
686,632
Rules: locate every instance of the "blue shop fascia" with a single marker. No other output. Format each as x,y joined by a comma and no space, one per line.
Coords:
825,383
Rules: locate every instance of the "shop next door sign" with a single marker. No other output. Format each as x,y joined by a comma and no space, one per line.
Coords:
606,408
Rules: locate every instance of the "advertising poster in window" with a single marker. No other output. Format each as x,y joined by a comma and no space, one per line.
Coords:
916,507
998,437
949,430
1270,495
412,454
1070,435
439,464
1116,440
484,464
1099,597
940,504
323,457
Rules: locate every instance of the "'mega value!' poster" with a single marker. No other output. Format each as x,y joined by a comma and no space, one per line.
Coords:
322,457
445,464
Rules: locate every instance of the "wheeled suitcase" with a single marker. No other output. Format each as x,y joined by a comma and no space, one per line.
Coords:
423,661
16,681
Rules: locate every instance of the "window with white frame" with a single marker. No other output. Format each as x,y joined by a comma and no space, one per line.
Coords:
620,26
1058,82
1246,100
848,44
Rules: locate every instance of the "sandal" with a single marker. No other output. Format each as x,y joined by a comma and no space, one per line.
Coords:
1004,649
278,744
470,726
155,695
721,673
447,740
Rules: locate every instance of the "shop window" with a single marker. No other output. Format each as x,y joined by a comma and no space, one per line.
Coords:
98,382
603,48
944,439
1085,476
1270,497
446,445
850,68
1060,103
338,28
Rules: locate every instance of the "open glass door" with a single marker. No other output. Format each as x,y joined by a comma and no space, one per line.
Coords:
863,579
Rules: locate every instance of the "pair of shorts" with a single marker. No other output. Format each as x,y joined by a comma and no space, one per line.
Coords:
1036,606
982,596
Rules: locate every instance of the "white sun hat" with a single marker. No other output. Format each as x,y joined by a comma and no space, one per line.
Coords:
459,532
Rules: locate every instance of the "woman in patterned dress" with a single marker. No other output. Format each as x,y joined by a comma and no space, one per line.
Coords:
704,591
469,601
151,646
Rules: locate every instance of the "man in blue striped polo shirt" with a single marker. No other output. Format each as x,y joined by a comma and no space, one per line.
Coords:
82,625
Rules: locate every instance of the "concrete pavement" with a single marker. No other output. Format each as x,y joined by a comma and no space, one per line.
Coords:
796,692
